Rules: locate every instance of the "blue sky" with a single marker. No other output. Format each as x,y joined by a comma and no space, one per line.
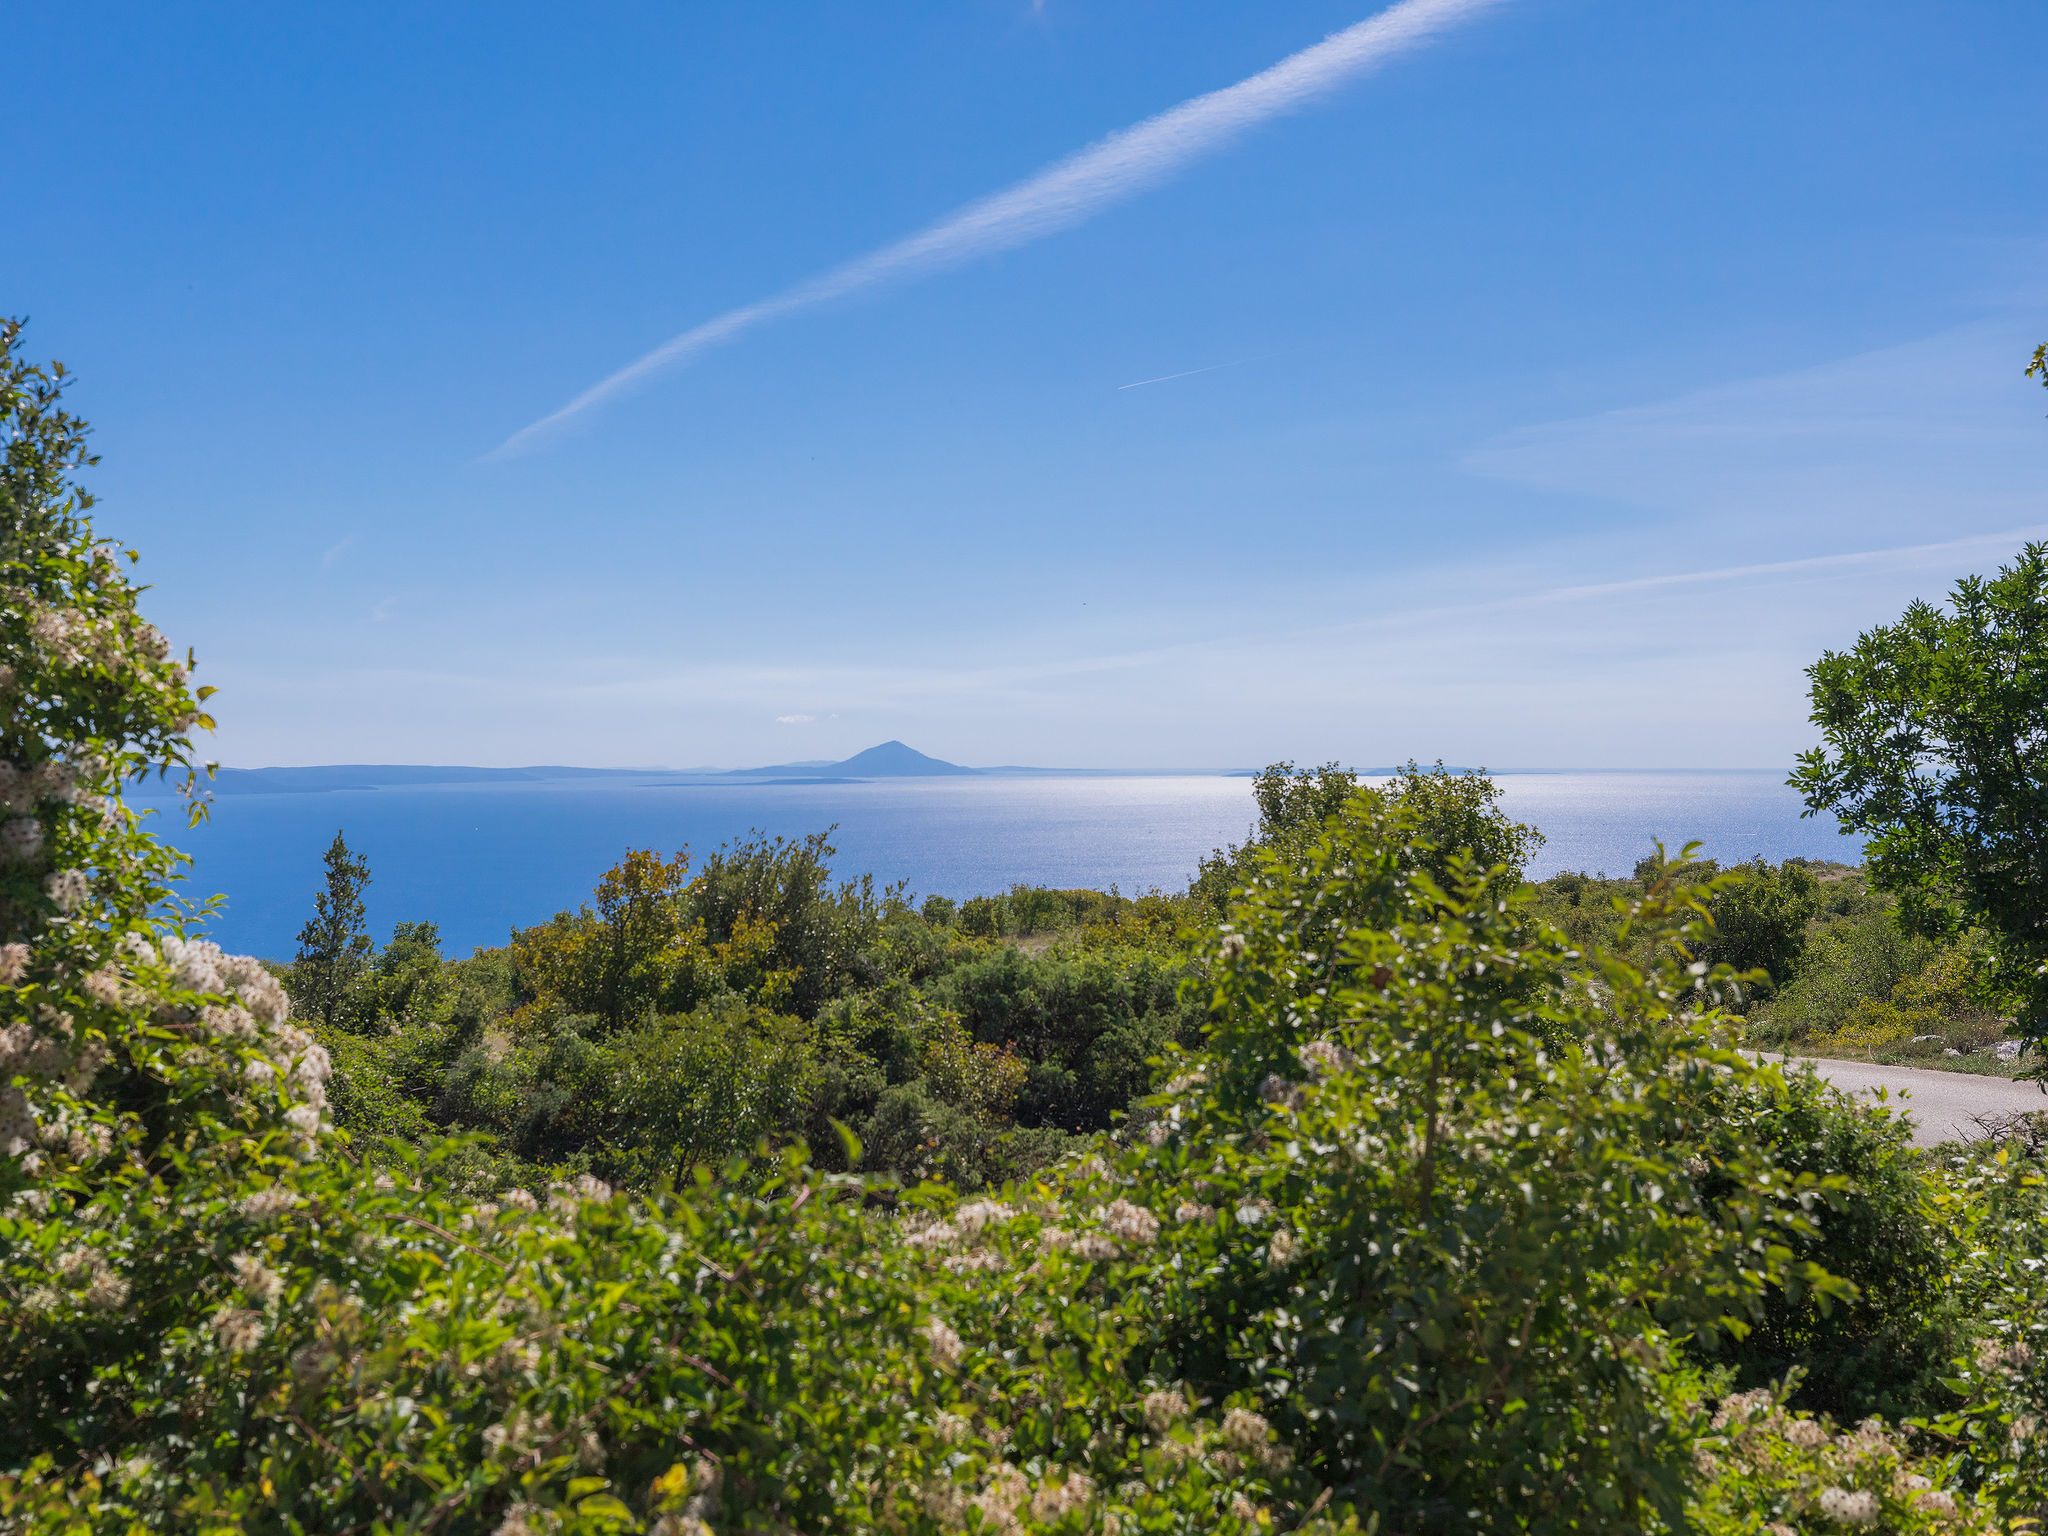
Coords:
1550,394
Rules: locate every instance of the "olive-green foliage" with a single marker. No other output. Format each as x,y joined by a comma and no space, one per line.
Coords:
1415,1242
1452,813
1992,1199
822,934
1886,1349
1086,1023
634,1104
1026,911
1424,1191
1857,958
1761,920
325,980
1775,1469
1934,751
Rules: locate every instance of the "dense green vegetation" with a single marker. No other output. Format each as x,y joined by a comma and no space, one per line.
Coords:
1362,1187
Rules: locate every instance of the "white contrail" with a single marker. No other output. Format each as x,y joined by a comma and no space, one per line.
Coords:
1167,378
1064,194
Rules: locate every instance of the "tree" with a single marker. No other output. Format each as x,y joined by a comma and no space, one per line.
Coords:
1760,920
334,948
1453,813
1936,732
1460,813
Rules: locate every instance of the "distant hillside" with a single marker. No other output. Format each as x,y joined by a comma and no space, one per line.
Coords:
891,760
314,780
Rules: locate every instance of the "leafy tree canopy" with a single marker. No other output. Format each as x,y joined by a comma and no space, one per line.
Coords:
1936,749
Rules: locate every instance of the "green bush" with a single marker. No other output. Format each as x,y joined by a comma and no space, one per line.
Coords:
1885,1349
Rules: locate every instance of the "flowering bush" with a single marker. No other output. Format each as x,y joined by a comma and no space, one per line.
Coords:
1772,1471
1413,1246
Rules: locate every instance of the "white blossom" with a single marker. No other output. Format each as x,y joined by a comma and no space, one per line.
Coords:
1279,1091
13,963
1806,1433
930,1234
1095,1248
194,963
998,1500
977,1214
266,1203
1130,1223
1322,1058
238,1329
257,1278
21,839
68,888
1282,1248
947,1350
1162,1408
107,1290
53,629
1058,1496
53,780
230,1022
1245,1431
104,985
1852,1507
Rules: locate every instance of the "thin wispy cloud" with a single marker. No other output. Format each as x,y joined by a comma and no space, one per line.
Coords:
1114,168
1167,378
794,719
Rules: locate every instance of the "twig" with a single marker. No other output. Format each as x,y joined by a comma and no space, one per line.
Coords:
420,1221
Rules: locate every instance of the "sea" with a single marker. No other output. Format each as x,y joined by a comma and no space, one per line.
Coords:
483,859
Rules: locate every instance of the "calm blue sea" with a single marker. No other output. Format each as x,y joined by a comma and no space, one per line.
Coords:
481,859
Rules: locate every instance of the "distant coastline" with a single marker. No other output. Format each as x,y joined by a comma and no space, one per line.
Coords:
889,761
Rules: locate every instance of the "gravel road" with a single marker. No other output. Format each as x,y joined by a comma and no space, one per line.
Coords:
1944,1105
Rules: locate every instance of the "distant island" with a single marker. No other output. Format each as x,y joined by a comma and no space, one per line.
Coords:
891,760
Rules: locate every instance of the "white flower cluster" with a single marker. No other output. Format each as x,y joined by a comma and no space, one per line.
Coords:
1128,1223
1279,1091
58,631
946,1347
1857,1506
238,1329
82,1141
21,840
263,1283
13,963
1163,1409
1059,1496
256,1016
103,1289
977,1215
267,1203
22,790
67,889
1325,1058
564,1199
